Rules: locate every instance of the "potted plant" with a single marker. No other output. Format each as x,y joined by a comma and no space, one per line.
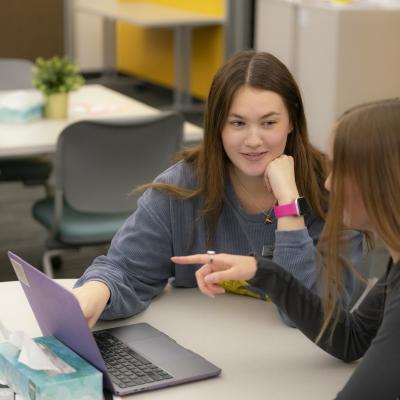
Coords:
55,78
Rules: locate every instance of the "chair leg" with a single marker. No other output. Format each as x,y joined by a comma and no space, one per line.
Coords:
47,266
49,189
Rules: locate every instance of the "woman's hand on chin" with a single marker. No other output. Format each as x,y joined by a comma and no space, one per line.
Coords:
280,179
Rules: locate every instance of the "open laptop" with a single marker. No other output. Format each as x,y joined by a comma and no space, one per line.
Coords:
132,358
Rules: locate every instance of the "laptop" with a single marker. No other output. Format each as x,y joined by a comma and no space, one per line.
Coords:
132,358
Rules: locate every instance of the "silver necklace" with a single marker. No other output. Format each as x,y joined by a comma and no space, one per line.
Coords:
267,213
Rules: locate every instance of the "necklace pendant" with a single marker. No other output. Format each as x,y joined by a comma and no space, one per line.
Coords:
267,220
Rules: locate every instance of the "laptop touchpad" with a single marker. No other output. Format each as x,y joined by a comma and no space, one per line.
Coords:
150,343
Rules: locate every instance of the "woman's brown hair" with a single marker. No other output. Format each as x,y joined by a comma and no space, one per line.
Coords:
366,154
262,71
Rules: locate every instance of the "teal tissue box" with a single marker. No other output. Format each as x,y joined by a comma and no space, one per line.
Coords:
21,105
86,383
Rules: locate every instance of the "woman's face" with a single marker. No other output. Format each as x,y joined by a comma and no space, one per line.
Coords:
256,130
354,213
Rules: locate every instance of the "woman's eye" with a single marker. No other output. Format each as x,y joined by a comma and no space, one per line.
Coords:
236,123
268,124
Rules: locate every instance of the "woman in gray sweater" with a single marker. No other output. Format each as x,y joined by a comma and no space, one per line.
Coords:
255,154
365,186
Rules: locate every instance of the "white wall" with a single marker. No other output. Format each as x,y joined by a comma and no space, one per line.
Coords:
340,55
88,41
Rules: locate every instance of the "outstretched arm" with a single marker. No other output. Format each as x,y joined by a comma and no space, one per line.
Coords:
137,266
371,332
354,332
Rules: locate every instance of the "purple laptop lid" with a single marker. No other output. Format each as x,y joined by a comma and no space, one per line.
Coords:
58,313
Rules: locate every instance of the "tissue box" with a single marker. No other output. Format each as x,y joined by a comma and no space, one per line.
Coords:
86,383
21,105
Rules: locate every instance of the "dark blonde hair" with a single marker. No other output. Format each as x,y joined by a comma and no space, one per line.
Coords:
366,151
209,160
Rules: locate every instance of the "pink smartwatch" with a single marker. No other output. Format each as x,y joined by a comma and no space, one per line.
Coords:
296,208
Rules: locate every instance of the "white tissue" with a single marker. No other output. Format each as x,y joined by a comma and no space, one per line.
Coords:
20,99
21,105
32,354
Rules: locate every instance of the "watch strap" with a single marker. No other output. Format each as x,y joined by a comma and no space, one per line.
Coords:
286,210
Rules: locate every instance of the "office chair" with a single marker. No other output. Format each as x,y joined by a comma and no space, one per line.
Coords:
17,74
97,164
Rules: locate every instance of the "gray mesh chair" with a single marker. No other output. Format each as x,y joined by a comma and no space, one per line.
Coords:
96,166
17,74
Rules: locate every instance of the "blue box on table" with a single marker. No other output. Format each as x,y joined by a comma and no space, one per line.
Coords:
86,383
21,106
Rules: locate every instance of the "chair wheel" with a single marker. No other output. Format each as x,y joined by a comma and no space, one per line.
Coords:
56,262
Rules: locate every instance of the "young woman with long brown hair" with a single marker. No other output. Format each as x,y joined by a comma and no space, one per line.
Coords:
220,195
365,187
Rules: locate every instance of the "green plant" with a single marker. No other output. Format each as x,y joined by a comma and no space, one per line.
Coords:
56,75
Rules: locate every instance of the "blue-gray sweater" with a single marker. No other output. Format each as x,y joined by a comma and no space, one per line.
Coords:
138,266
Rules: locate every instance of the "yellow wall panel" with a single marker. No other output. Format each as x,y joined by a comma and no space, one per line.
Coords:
208,7
208,55
146,53
149,53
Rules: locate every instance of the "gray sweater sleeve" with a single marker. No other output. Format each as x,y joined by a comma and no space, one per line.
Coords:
137,266
371,332
296,252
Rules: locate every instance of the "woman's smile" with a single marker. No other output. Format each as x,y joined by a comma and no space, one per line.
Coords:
254,156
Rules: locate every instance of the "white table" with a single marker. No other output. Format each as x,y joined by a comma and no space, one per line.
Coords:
89,102
260,357
153,16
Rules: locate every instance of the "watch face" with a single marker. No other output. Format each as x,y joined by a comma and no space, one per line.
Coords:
302,206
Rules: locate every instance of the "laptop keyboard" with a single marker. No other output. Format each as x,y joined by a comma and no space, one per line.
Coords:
126,367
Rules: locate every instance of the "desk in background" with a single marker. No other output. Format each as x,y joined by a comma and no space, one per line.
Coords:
260,357
89,102
153,16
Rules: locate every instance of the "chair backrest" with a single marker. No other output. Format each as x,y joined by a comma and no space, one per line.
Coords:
98,163
15,74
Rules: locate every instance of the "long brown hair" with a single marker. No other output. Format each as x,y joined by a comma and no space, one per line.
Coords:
366,151
209,160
